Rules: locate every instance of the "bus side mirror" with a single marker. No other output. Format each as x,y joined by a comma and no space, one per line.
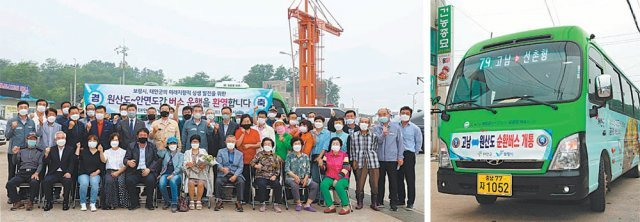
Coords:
603,87
435,100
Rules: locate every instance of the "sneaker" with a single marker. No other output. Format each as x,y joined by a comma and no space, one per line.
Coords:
409,206
174,208
263,207
93,207
192,205
239,207
298,207
309,208
83,207
277,208
198,205
218,205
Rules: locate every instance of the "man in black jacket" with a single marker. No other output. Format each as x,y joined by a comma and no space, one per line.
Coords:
225,128
128,127
60,160
142,165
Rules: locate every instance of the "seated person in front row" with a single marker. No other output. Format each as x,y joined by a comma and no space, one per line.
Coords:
142,162
29,163
197,174
60,160
171,174
230,168
268,168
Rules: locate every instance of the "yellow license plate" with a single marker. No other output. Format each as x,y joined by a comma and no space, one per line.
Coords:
495,184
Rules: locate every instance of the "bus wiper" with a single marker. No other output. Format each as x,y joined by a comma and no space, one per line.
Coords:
529,98
472,102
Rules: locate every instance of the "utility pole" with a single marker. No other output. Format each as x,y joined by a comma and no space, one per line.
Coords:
75,80
122,49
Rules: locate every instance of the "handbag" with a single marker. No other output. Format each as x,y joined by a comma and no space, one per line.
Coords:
183,203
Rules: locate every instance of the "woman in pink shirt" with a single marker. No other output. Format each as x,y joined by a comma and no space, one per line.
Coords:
337,170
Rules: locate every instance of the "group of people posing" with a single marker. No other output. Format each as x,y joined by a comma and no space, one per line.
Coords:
114,157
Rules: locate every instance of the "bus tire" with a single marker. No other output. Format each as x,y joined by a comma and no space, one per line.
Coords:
486,200
634,172
597,199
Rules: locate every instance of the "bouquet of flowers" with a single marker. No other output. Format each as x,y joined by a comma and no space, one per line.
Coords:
209,159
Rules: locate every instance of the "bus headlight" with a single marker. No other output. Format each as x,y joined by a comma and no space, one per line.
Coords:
567,156
445,162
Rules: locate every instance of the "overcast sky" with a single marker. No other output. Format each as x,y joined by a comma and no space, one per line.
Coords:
227,37
609,20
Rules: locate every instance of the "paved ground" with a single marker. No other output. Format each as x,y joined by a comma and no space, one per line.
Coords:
623,204
228,213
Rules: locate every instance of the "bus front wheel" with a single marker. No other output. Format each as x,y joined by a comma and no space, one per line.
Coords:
486,200
597,199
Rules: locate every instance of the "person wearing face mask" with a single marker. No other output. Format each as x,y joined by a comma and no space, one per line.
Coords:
363,145
212,138
91,164
336,168
122,114
197,126
90,111
16,132
390,155
247,142
225,128
311,116
101,127
272,116
60,161
47,130
164,128
230,168
187,112
268,169
292,128
151,116
65,107
412,140
262,127
171,174
338,125
350,122
128,127
114,189
283,140
30,162
298,171
74,129
173,114
196,173
142,163
321,137
40,116
305,133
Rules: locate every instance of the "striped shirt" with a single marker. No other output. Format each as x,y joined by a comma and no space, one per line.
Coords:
364,147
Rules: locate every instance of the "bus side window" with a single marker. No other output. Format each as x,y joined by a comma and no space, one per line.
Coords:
616,103
637,103
628,100
594,71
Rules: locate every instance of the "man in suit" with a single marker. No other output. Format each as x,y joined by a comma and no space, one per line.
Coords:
141,166
60,162
225,128
229,169
74,129
128,127
101,128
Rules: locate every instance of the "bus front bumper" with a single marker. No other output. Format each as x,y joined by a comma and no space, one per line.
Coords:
548,186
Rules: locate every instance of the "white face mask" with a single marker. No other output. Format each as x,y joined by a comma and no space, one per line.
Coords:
293,122
115,143
61,142
335,148
173,147
91,113
99,116
272,115
303,129
350,121
262,121
75,116
23,112
195,145
231,146
197,115
171,116
65,111
51,119
338,126
405,117
318,125
267,148
210,116
123,113
364,126
92,144
41,108
297,148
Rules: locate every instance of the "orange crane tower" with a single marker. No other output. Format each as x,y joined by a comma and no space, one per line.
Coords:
309,28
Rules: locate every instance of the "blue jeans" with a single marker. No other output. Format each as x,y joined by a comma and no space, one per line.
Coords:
174,183
84,180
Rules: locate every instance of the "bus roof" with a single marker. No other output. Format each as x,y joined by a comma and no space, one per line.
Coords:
561,33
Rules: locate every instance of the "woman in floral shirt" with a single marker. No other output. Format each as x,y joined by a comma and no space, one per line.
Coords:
268,167
297,168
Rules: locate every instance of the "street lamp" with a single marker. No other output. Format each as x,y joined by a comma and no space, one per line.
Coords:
413,104
291,73
328,89
75,80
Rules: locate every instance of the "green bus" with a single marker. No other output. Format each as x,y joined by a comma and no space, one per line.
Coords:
540,114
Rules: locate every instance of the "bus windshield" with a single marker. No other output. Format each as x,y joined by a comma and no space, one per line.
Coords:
547,72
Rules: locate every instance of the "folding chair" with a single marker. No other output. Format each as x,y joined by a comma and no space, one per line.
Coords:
333,189
55,185
35,199
302,190
75,196
141,200
269,188
205,199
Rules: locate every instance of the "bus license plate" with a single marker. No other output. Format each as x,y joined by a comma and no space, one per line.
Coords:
494,184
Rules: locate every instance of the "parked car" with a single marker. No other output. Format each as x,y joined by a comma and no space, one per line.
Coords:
418,119
319,110
3,126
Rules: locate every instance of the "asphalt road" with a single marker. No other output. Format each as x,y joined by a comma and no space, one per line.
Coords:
623,204
227,214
